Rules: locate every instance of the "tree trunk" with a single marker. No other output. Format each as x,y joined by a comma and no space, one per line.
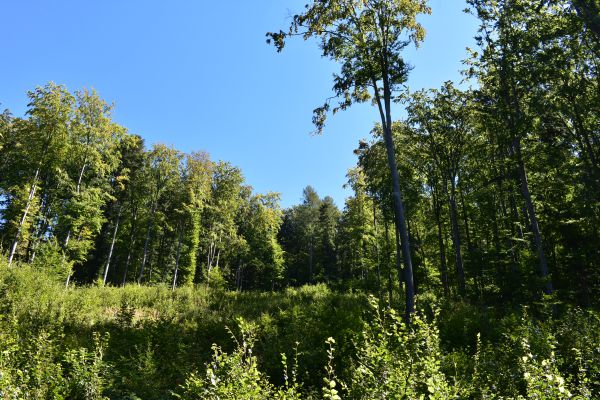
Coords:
77,190
375,244
211,255
130,247
443,266
466,221
388,256
399,214
177,256
13,247
532,217
460,272
146,243
238,277
400,221
112,246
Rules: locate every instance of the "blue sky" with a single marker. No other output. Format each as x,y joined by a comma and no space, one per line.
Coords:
198,75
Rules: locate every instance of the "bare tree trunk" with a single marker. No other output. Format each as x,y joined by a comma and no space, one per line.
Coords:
466,220
398,258
376,245
177,257
238,276
112,246
130,247
460,272
399,212
388,256
401,226
13,247
77,191
42,226
533,218
443,266
70,274
146,243
211,255
160,258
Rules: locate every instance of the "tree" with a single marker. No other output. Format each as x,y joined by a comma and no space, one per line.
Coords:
197,184
94,144
44,138
260,261
367,38
441,122
509,56
162,175
220,239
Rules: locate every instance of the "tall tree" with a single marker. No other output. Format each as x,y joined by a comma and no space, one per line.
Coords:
367,38
44,138
441,121
94,144
197,184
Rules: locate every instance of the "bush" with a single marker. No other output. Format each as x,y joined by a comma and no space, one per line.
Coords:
236,375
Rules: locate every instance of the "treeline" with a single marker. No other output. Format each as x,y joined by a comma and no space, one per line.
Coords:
500,184
83,197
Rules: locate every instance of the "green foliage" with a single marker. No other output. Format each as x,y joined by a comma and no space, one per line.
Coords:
231,376
104,342
395,361
50,258
88,371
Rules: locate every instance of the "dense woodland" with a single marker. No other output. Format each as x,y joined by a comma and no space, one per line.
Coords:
466,264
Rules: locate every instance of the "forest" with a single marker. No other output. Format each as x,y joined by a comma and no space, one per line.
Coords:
465,264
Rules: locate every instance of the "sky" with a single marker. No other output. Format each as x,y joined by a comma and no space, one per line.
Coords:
198,75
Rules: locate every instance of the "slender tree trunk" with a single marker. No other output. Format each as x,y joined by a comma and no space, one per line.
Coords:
66,245
443,266
112,246
460,272
533,218
400,221
42,225
238,277
130,247
177,257
515,214
160,261
13,247
146,243
512,243
399,212
399,258
211,255
512,100
376,246
466,220
388,249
